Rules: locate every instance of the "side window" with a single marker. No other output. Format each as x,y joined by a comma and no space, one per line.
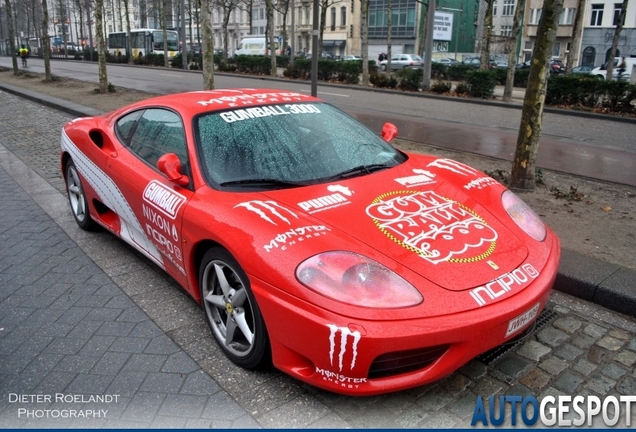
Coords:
158,132
126,126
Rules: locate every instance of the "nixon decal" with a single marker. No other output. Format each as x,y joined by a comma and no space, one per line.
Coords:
160,222
517,278
163,199
266,208
341,347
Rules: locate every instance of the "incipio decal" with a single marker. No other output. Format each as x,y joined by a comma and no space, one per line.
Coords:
267,111
516,279
163,199
436,228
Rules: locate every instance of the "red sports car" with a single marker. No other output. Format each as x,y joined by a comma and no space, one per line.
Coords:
310,242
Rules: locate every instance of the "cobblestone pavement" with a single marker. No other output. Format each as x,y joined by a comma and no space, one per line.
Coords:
57,294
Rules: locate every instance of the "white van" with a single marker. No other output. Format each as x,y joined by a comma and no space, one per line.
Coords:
255,46
601,71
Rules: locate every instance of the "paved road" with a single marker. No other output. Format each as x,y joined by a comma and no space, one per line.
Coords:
590,147
68,298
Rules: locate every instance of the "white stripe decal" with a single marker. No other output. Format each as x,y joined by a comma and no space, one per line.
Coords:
108,192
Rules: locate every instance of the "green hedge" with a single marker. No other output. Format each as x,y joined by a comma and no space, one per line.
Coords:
587,92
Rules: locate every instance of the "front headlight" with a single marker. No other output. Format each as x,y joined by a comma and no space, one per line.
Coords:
356,280
523,216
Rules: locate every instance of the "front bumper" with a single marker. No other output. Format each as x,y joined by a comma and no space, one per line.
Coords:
365,357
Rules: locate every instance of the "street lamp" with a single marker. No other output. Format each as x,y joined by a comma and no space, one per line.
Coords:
459,18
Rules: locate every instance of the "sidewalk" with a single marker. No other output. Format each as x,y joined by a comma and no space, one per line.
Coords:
68,331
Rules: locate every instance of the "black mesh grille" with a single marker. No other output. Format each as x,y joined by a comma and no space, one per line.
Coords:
396,363
489,357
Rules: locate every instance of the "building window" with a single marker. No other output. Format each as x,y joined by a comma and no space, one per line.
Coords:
506,30
403,19
343,16
556,50
494,7
307,14
262,13
589,56
567,16
528,45
333,19
508,7
597,15
617,14
535,16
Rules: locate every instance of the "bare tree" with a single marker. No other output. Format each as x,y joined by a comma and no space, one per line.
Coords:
7,4
511,43
389,25
269,8
617,34
485,45
164,27
227,7
101,47
324,6
46,46
129,51
577,32
364,36
523,168
207,47
281,7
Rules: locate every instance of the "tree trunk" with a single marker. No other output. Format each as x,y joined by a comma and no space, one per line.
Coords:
270,34
511,46
12,46
227,11
101,56
207,46
523,168
364,36
164,12
617,33
577,33
389,25
46,46
485,44
129,50
323,5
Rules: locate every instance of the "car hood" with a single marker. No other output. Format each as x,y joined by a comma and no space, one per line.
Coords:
440,218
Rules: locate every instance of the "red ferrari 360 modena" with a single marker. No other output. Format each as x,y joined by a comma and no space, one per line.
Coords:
310,242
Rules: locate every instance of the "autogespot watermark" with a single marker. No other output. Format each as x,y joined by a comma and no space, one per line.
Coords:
551,411
59,400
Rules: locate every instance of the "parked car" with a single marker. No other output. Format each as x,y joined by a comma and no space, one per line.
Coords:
308,239
447,61
499,64
476,62
403,61
583,70
524,65
352,58
601,71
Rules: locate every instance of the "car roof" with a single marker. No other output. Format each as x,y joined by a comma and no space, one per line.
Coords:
197,102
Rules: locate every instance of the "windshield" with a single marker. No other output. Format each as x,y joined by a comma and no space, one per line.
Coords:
288,144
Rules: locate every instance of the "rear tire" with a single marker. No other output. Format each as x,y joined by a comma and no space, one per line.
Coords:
231,310
77,199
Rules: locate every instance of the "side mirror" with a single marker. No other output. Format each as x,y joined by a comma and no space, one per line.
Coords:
170,166
389,131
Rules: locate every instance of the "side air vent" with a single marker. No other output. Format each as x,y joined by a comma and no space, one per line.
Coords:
400,362
97,138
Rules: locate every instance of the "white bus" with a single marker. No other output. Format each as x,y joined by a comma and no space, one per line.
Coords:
143,42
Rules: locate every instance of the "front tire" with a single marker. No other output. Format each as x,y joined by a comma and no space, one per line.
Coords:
77,199
231,310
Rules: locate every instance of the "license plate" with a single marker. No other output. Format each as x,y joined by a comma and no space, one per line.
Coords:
518,323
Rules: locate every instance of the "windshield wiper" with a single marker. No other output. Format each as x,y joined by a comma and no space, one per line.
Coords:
265,182
361,169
